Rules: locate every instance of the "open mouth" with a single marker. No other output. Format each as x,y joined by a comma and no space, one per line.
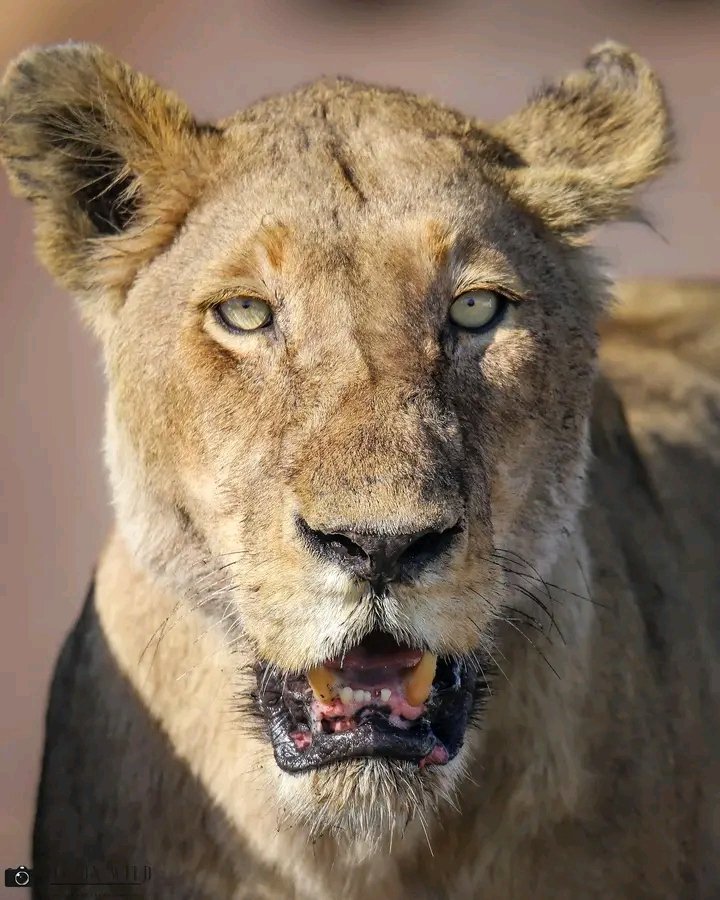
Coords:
381,699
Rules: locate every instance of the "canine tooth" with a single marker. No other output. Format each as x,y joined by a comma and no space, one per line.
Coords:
419,681
385,694
346,694
321,681
360,696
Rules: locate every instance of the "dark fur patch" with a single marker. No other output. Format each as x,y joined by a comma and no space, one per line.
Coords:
346,169
103,187
104,194
613,64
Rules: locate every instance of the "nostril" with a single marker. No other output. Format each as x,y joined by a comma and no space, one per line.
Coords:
329,543
340,543
429,545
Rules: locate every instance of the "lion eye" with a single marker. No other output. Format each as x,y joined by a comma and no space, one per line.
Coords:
243,313
478,310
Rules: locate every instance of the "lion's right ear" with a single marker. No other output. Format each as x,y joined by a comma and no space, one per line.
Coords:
111,162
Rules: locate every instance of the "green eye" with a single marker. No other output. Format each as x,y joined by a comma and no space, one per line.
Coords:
478,310
243,314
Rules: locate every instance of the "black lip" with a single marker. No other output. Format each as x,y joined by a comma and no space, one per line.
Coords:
456,693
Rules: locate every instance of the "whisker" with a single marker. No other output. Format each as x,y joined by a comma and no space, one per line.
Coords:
160,626
537,577
530,595
529,620
489,652
534,646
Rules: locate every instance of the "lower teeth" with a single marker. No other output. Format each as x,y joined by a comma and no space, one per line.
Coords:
348,695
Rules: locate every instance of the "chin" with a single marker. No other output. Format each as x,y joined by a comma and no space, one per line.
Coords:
370,745
368,806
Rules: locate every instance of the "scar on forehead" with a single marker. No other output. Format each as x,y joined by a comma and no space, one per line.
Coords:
346,170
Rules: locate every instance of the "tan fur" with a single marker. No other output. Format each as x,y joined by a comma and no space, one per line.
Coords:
586,571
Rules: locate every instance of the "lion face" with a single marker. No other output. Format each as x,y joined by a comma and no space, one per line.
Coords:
346,396
359,420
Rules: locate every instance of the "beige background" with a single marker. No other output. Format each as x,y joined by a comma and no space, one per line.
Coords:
480,56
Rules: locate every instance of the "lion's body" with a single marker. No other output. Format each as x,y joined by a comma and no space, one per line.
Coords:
423,375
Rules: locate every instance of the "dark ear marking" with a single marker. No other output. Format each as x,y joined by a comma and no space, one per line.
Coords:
106,194
611,62
105,190
207,128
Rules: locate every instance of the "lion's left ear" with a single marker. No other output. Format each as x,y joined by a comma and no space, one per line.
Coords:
111,161
589,141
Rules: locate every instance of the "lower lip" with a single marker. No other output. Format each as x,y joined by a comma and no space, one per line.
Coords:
432,739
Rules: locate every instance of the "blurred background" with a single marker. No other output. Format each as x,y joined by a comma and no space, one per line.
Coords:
483,57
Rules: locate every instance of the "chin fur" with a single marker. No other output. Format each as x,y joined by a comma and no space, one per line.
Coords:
368,806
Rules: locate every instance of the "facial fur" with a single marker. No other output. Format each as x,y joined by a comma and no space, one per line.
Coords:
357,214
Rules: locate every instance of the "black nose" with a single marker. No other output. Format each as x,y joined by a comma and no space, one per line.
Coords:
377,557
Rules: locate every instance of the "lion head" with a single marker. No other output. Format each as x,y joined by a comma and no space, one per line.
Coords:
350,343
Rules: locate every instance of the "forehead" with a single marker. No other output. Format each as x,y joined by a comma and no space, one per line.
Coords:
344,176
340,149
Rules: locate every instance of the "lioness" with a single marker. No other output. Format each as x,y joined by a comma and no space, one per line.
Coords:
409,597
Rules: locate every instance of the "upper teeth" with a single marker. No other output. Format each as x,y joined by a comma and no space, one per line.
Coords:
418,682
322,683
